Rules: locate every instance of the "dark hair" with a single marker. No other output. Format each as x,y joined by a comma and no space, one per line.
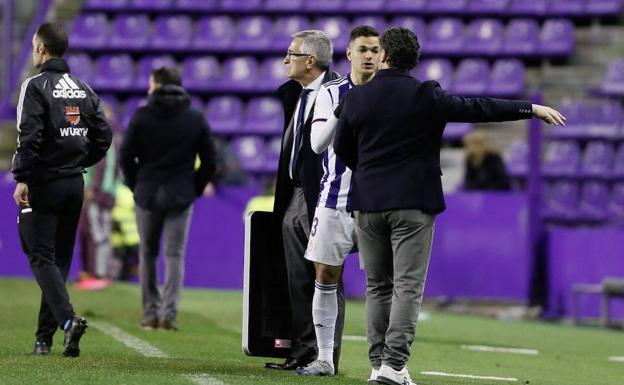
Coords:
54,38
362,31
167,75
402,47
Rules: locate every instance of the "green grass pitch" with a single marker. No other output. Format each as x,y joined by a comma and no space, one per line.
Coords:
209,346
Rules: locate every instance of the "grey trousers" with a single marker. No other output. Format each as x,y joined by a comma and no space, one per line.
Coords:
395,247
151,225
301,275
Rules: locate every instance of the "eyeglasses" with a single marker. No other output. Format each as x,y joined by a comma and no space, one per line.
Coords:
289,55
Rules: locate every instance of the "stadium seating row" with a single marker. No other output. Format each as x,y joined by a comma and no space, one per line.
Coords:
244,74
478,7
591,201
446,36
613,82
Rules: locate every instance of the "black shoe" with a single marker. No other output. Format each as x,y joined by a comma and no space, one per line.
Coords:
72,337
42,348
289,364
168,324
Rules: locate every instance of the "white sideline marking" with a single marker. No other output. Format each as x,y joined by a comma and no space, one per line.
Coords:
148,350
482,348
203,379
354,338
442,374
144,348
617,358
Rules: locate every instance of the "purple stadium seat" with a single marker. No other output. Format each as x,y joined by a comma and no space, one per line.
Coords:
557,37
112,102
521,37
607,118
337,28
487,7
456,130
562,199
225,114
618,162
247,6
253,33
239,73
264,115
106,4
446,6
272,74
114,72
594,201
90,30
149,63
604,7
616,201
196,5
566,7
324,5
250,151
444,36
517,158
483,36
415,24
273,149
130,31
214,33
578,114
376,22
284,28
80,64
172,32
597,159
561,158
507,78
406,5
528,7
283,5
197,103
150,4
440,70
343,67
364,5
130,106
471,77
201,73
613,83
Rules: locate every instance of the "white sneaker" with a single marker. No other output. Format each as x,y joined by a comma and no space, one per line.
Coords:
389,376
373,377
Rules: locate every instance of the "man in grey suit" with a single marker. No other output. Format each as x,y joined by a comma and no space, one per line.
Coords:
389,133
298,183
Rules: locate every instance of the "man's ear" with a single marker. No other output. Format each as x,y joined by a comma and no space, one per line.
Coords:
384,56
311,62
349,53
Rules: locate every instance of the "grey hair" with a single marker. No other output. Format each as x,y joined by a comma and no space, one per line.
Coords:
317,44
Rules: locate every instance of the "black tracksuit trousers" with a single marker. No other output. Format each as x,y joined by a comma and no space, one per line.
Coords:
48,231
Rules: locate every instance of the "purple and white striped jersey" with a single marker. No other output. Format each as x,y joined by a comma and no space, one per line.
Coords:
336,181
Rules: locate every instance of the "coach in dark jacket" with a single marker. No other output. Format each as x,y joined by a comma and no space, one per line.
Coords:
298,184
61,130
158,158
389,134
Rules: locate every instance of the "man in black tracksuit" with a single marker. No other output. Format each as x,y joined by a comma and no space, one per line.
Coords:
62,130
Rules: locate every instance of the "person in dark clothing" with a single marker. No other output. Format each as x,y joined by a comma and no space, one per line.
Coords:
157,160
297,188
389,133
485,169
61,131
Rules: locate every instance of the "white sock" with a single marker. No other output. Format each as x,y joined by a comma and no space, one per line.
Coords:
324,314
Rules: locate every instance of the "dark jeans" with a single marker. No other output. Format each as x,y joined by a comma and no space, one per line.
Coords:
48,232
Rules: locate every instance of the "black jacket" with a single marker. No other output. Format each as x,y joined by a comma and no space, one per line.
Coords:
61,126
490,175
390,133
160,148
309,164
